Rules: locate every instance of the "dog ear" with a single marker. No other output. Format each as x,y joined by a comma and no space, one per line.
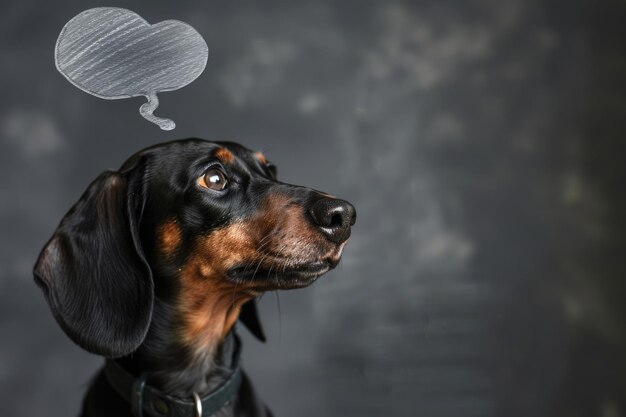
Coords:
93,271
249,316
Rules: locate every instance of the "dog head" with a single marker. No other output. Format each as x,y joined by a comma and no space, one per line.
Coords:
205,225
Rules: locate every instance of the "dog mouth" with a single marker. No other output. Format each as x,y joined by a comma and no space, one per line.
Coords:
279,274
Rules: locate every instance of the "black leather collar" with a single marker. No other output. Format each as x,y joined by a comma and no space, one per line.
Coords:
145,399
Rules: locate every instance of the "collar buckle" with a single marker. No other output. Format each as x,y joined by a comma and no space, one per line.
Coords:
197,406
137,395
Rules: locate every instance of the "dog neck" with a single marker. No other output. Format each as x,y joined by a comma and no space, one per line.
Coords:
185,351
195,309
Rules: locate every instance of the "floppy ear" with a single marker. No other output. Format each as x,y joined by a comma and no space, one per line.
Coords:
249,316
93,272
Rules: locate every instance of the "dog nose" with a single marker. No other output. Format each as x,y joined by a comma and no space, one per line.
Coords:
334,217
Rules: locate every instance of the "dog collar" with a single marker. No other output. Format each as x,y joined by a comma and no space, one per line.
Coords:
144,398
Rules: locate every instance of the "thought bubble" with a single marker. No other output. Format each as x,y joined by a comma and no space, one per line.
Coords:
114,53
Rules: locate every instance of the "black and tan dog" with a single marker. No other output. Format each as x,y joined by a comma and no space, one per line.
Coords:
155,263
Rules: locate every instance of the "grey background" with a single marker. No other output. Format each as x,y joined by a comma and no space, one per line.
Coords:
482,143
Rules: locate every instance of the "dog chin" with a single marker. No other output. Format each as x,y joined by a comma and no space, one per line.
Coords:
293,277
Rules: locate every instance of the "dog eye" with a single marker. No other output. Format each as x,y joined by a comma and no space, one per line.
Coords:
214,179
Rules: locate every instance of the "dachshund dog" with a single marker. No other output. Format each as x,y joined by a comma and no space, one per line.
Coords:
154,264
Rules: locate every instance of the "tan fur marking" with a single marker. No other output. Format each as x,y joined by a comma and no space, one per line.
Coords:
209,305
261,157
224,155
169,237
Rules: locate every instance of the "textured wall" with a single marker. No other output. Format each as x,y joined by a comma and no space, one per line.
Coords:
481,142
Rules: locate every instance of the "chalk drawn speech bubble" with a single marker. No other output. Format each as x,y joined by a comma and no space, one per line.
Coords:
114,53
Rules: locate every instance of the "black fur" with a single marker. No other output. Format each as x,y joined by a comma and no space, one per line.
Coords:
113,293
93,271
